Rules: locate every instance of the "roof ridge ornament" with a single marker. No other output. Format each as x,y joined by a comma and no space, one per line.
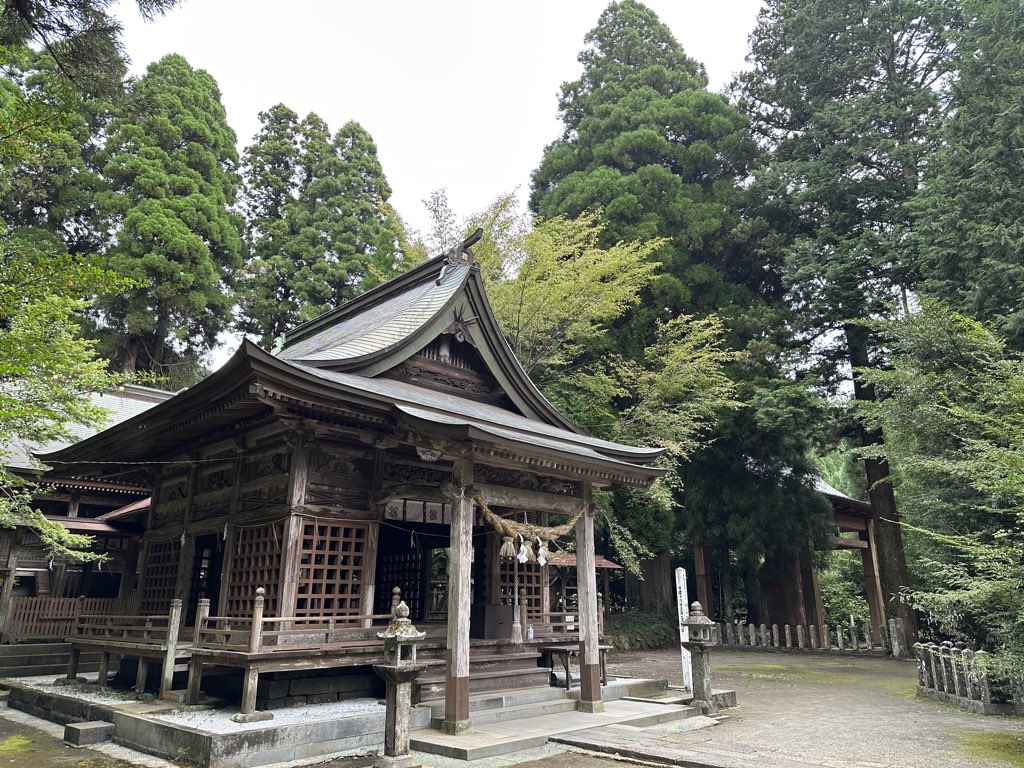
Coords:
460,254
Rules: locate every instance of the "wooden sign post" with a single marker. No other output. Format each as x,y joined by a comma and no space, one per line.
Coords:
684,632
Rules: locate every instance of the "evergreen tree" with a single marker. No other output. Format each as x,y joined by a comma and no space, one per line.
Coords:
660,156
319,228
843,96
170,160
968,216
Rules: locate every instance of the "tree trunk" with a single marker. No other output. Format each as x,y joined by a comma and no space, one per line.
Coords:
752,589
655,589
725,584
892,560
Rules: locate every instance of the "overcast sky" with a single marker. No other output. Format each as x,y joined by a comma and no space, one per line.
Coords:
460,94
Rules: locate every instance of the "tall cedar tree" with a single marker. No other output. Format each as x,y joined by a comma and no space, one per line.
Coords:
660,156
969,214
170,161
54,187
843,96
316,217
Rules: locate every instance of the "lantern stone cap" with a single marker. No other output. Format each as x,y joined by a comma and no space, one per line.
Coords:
401,628
697,615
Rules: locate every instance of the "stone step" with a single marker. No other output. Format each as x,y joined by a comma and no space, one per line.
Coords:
501,738
519,712
512,697
488,680
51,669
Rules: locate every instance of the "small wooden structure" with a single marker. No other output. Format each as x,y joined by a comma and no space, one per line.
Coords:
375,448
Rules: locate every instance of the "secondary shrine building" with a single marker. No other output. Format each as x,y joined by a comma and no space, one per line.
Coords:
394,442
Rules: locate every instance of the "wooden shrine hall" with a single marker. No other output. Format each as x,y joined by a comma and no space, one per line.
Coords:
393,442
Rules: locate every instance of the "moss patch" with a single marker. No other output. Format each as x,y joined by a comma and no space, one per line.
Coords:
996,745
14,745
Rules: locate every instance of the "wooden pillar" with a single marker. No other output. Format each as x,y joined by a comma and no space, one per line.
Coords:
297,477
370,570
702,574
456,689
187,562
872,584
586,585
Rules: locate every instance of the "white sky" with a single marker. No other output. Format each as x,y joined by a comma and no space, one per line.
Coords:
460,94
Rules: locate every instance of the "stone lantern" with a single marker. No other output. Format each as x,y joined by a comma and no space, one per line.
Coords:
699,645
398,671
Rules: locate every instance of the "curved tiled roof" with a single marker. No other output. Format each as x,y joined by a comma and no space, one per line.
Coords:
382,326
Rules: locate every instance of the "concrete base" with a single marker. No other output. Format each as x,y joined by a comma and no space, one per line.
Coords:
84,734
970,705
590,706
454,727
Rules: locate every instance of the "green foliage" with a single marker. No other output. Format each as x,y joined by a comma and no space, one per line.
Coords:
317,222
842,588
648,145
967,217
47,369
83,40
554,290
953,411
170,160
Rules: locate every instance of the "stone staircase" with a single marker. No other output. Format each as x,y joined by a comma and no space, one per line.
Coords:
505,721
491,668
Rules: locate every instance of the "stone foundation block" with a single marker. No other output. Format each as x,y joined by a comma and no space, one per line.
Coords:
321,698
91,732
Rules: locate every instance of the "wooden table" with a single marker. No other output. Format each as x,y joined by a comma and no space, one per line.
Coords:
565,652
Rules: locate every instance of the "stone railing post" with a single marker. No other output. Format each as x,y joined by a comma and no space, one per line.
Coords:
764,635
959,678
775,635
826,638
839,636
853,637
922,665
970,674
814,637
789,636
984,685
752,630
800,636
935,665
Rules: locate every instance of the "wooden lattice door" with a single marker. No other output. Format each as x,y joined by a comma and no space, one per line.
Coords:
255,562
404,571
160,580
332,562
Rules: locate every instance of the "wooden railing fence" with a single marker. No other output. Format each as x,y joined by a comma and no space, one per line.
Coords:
53,618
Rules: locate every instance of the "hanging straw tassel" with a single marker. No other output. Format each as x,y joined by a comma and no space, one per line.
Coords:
508,549
542,551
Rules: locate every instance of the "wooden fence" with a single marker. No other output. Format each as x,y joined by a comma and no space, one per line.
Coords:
52,618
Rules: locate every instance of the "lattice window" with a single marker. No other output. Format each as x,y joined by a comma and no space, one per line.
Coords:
530,579
255,562
331,569
404,571
160,579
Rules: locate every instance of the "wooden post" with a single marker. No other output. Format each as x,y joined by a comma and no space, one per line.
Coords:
586,584
872,584
370,571
298,475
600,613
202,614
256,628
173,625
250,684
141,675
76,655
195,681
101,678
456,689
524,614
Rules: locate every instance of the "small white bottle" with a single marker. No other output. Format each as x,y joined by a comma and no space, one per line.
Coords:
529,632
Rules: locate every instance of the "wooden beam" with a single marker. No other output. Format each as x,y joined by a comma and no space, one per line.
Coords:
502,496
850,523
840,542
